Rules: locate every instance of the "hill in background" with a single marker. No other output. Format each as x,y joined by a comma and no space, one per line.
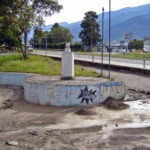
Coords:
134,20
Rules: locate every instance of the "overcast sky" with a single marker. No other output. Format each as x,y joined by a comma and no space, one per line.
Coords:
74,10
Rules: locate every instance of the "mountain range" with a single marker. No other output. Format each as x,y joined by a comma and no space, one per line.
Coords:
135,20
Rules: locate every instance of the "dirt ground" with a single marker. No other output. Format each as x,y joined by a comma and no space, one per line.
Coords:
26,126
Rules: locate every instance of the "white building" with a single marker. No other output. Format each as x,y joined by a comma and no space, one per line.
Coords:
147,46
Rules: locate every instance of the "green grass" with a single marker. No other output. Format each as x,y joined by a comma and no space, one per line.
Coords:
39,65
126,56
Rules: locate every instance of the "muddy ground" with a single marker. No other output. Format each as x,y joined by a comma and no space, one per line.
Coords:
25,126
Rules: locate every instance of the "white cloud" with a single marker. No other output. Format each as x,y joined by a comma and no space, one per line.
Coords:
74,10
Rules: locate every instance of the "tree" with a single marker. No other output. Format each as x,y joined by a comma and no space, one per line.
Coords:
59,34
56,25
8,39
24,14
7,36
136,44
38,35
89,34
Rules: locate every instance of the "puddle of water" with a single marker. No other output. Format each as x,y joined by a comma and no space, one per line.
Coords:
138,115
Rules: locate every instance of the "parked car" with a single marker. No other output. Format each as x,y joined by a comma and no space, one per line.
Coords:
30,48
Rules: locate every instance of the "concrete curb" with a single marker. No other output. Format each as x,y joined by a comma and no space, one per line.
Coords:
105,66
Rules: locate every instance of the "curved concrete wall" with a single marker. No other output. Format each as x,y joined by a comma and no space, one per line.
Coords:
57,93
13,78
48,92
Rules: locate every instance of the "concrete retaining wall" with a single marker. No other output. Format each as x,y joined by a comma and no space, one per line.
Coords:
13,78
63,93
60,93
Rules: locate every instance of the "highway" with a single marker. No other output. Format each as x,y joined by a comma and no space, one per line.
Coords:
133,63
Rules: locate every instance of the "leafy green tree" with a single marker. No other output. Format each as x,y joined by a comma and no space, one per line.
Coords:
9,39
7,36
38,35
136,44
89,34
24,14
59,34
56,25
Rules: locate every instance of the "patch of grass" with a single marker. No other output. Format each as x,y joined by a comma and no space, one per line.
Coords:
79,71
4,58
39,65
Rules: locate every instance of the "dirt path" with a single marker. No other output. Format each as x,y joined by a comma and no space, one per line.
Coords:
26,126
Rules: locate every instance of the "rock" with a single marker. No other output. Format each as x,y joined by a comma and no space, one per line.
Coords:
84,112
33,133
13,143
127,98
105,125
7,104
143,97
112,103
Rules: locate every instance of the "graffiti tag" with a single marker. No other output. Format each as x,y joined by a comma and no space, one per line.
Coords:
87,95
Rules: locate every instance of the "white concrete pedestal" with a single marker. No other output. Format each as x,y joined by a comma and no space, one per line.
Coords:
67,64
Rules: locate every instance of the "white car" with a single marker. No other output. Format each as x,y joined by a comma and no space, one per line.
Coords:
30,48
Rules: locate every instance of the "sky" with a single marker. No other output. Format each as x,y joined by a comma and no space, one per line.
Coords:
74,10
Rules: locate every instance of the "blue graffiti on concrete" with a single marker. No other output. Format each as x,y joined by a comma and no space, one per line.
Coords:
111,84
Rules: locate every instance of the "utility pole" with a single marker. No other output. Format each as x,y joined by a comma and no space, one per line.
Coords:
128,37
109,48
102,42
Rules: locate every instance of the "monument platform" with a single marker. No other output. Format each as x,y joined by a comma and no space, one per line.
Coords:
81,91
47,90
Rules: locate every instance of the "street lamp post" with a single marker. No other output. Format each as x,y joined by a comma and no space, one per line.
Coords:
109,49
102,42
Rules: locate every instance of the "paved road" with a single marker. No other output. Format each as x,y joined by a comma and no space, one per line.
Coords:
114,61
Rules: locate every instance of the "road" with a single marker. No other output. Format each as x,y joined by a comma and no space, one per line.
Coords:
133,63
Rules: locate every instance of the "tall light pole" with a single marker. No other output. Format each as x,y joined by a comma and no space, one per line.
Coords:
109,48
102,42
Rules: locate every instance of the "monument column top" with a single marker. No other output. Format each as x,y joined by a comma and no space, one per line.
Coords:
67,47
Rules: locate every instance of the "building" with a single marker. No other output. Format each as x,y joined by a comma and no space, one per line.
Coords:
146,46
116,47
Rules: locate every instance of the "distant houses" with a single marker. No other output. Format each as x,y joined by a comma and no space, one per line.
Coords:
147,46
115,47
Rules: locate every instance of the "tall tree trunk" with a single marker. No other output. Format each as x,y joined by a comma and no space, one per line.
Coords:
25,56
20,44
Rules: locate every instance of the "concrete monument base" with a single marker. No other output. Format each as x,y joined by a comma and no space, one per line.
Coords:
82,91
47,90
